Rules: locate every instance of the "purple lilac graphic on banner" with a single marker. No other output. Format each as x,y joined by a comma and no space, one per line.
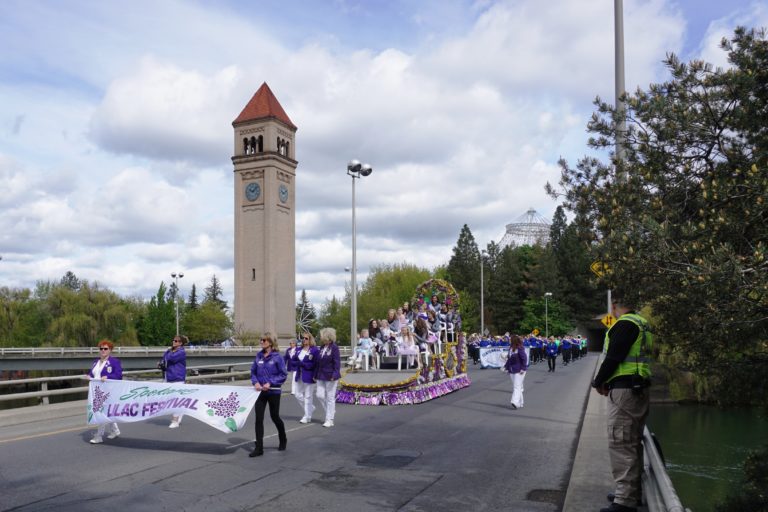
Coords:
99,397
226,408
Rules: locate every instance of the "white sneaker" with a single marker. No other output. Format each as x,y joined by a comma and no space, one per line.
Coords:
115,432
97,440
305,420
328,424
174,424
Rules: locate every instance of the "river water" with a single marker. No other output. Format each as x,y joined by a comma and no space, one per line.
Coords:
705,448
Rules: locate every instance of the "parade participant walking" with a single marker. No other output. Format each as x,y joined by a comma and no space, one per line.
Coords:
290,365
624,377
551,353
305,361
565,349
328,373
516,366
106,367
267,375
174,367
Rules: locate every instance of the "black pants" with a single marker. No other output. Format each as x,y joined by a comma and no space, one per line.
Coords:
273,399
551,360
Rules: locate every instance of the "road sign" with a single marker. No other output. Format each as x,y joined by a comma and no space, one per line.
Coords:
535,332
599,268
608,320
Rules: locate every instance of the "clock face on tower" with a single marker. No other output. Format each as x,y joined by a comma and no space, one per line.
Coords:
252,191
283,193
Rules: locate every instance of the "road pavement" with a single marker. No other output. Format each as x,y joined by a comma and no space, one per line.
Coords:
468,450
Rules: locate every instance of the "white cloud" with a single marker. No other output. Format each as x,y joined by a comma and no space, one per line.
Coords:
755,16
116,139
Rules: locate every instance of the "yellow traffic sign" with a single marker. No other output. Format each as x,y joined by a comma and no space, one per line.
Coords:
535,332
599,268
608,320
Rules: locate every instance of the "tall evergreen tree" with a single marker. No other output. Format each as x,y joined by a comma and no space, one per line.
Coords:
682,220
557,228
70,281
464,266
214,293
193,304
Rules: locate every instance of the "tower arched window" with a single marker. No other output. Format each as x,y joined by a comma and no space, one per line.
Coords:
245,145
253,145
261,143
287,148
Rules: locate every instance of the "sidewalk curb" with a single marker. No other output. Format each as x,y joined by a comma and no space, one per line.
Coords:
22,415
591,477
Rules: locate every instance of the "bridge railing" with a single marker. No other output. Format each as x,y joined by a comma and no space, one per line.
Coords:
94,351
658,490
194,371
230,373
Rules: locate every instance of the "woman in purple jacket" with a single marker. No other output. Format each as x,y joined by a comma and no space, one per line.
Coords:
267,375
106,367
174,366
328,373
304,361
290,365
516,366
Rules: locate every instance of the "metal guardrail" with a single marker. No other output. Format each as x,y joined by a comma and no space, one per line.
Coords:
45,393
94,351
658,490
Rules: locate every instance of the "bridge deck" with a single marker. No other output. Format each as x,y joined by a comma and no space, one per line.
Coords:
465,451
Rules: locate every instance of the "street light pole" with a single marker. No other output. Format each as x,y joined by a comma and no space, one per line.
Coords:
176,296
482,294
355,170
546,314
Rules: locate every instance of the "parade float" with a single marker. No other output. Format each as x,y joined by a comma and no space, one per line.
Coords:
445,372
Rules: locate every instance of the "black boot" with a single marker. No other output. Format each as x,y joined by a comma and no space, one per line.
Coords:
257,451
283,443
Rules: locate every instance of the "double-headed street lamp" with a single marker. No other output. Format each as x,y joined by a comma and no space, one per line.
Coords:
546,314
356,170
177,276
483,254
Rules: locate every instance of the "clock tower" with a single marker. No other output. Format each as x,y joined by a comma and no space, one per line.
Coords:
265,224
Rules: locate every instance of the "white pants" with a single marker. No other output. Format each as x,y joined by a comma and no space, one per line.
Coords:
517,388
113,429
175,418
326,392
305,394
291,376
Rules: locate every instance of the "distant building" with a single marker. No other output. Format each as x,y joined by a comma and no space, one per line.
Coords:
528,229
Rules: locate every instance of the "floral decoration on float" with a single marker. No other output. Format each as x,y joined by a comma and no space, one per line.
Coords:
446,373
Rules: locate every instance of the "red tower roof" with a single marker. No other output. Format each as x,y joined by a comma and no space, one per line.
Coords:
263,105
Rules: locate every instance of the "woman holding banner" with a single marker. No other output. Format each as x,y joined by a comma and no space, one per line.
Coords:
267,375
106,367
174,366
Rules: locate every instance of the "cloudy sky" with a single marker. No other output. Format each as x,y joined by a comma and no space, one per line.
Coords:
116,136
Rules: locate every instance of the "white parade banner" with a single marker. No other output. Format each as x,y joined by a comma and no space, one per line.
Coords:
493,357
125,401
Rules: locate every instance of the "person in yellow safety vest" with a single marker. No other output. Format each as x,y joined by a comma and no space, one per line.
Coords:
624,377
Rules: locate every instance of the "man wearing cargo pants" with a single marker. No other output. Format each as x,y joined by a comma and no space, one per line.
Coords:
624,377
